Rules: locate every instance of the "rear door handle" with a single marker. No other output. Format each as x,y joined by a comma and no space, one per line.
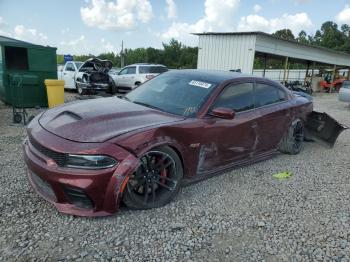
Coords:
254,125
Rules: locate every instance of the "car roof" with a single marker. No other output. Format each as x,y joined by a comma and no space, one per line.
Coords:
213,75
146,64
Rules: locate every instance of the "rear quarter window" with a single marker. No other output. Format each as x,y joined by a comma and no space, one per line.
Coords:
266,94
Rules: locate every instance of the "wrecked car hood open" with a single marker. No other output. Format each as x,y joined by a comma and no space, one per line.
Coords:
97,63
99,120
323,128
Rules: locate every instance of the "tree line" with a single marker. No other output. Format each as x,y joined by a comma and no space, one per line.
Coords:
173,54
177,55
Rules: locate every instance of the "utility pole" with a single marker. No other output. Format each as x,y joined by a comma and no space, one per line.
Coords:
122,56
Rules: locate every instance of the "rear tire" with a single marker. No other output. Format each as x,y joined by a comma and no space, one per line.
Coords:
156,181
292,142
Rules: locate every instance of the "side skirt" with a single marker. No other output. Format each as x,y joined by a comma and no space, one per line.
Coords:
224,169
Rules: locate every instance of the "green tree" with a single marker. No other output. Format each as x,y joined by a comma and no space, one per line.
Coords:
302,37
285,34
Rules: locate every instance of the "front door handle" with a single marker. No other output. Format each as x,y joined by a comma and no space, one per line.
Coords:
254,125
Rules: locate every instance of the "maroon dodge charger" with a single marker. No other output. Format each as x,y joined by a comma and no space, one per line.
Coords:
87,157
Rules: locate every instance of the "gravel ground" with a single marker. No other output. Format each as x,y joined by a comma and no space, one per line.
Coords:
244,215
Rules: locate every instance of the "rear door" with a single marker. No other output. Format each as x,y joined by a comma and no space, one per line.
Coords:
271,101
68,75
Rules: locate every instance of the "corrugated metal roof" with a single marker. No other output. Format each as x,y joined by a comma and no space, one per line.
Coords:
4,40
273,37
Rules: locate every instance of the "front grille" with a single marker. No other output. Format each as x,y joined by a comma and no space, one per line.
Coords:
59,158
78,197
44,187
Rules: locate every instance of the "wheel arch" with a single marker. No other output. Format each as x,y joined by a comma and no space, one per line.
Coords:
176,148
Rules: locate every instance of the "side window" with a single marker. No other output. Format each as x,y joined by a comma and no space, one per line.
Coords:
124,71
131,70
143,69
70,67
267,94
239,97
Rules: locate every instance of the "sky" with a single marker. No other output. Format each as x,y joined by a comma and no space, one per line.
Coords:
98,26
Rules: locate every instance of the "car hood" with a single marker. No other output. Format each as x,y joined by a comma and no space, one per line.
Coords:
99,62
98,120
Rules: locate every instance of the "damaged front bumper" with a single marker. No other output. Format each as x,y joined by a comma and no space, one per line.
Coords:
323,128
94,86
75,191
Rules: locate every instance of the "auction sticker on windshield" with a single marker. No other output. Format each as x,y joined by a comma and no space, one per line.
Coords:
199,83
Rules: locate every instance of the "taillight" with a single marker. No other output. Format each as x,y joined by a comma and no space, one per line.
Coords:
149,76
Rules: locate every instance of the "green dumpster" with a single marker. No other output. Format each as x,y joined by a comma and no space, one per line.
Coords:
23,69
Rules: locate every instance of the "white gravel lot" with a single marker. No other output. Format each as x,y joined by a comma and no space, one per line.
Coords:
244,215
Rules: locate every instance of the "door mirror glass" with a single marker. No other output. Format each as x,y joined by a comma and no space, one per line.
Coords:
223,112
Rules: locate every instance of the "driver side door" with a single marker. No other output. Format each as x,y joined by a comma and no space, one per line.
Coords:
227,142
68,75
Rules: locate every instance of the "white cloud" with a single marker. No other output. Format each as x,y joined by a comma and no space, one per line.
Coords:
81,45
2,22
296,23
116,15
343,16
65,30
219,16
29,34
257,8
171,9
4,27
107,47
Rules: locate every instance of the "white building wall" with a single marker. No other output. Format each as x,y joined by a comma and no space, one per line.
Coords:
224,52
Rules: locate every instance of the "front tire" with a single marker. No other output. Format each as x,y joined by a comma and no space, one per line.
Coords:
292,142
80,90
156,181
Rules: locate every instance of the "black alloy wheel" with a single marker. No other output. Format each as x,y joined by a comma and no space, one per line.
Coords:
156,181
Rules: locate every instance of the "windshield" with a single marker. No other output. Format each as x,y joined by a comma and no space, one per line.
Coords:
176,93
152,69
78,64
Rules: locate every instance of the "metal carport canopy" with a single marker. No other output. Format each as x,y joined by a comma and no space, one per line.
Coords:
269,44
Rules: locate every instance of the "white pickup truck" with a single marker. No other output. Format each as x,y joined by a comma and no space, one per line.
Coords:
68,72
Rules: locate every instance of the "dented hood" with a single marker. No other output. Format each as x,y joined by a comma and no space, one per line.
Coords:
98,120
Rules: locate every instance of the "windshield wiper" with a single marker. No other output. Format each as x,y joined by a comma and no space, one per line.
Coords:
126,98
147,105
